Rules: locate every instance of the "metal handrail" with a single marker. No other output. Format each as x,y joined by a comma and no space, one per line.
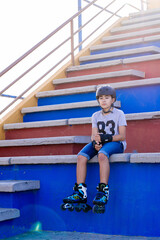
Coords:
73,49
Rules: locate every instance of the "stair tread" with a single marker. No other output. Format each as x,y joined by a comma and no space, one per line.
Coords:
44,141
135,26
113,63
130,72
131,34
63,106
71,121
128,52
18,185
142,18
125,43
152,157
92,88
9,213
144,13
59,159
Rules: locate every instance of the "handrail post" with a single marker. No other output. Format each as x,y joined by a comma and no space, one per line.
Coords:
80,24
72,43
142,7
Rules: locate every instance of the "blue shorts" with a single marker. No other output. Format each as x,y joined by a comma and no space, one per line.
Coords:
107,149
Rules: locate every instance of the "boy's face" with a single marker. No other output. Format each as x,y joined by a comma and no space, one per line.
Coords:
106,101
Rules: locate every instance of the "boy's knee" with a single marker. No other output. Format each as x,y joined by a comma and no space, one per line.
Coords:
81,159
102,157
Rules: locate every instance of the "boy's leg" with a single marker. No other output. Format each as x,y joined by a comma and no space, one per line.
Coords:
81,169
104,168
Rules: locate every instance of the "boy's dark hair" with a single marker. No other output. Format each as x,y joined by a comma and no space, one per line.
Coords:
106,90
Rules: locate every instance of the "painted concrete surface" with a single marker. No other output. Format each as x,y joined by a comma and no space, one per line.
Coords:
46,235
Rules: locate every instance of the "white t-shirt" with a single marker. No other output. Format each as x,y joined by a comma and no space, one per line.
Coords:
109,124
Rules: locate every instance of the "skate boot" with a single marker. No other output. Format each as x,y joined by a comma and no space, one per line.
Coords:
78,200
101,198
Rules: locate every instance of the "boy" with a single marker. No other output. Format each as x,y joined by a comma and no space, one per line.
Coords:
108,137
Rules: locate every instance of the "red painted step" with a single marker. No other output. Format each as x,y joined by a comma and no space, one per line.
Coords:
142,136
151,69
65,149
95,82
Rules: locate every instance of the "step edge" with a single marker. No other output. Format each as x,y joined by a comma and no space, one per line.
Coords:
153,49
135,26
9,213
132,34
19,185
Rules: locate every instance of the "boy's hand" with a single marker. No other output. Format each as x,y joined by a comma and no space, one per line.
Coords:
97,138
98,146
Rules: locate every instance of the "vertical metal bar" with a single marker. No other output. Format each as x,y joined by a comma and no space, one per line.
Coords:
142,7
80,24
72,43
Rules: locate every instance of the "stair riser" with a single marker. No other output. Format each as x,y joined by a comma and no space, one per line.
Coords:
137,132
133,100
144,66
154,43
59,149
95,82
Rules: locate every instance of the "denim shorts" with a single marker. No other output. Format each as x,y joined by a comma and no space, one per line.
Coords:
107,149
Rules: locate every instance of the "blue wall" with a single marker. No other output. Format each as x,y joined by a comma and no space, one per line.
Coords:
133,207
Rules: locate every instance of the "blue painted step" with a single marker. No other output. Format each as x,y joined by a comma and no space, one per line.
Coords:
133,100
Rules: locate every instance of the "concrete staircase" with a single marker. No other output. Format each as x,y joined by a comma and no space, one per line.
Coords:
44,147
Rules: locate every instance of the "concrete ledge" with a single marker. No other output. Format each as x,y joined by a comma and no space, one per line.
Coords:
53,123
62,159
150,49
116,44
18,185
69,159
122,73
65,106
8,213
145,158
67,91
44,141
135,26
73,121
141,19
114,63
131,34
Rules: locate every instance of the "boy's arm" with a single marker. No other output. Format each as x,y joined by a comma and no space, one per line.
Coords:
94,133
121,136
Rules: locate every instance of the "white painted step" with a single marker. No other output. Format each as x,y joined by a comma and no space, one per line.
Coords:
18,185
64,106
122,73
131,34
113,63
44,141
129,52
8,213
141,19
135,26
131,42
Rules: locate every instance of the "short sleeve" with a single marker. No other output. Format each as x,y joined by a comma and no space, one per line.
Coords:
94,121
122,119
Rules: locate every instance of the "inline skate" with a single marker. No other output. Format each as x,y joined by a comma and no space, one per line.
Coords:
101,198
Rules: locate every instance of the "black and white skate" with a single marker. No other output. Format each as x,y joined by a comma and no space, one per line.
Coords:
77,206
